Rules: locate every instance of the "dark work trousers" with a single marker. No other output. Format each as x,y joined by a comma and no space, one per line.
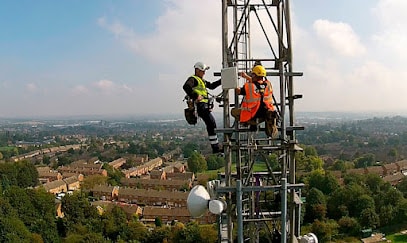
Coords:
207,117
261,112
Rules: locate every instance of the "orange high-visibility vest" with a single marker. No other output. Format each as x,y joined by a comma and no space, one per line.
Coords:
251,101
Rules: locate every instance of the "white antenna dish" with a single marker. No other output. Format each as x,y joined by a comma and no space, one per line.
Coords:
309,238
197,201
216,206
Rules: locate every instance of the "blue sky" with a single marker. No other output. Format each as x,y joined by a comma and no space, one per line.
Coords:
100,57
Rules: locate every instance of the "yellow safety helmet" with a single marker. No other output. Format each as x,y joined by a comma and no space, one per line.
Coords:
259,70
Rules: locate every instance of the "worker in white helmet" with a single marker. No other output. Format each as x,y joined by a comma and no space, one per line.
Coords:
196,88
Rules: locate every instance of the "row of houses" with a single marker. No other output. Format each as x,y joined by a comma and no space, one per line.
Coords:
144,168
392,172
48,151
86,170
140,196
148,214
176,171
149,204
71,183
149,190
161,184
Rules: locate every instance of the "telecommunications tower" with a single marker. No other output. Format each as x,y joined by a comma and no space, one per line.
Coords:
262,203
259,188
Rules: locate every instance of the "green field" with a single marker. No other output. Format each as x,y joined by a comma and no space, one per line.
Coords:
397,238
395,233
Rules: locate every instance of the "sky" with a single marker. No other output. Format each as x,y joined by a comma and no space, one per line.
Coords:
129,57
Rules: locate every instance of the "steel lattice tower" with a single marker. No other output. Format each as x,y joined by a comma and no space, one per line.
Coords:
261,203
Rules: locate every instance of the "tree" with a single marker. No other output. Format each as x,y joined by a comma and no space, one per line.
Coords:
393,197
46,160
91,181
324,230
401,211
208,233
196,162
14,230
36,209
353,178
212,162
114,222
78,211
360,203
386,214
310,151
27,174
349,226
113,174
273,161
20,201
176,229
365,161
22,174
215,162
63,160
393,153
137,231
313,163
6,210
369,218
158,222
374,182
325,182
189,148
160,235
44,224
87,237
342,165
132,149
316,205
402,186
190,234
342,201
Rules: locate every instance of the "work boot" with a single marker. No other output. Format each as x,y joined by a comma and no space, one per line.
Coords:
216,149
271,128
235,112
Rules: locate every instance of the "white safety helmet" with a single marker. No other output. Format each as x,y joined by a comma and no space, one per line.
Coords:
201,66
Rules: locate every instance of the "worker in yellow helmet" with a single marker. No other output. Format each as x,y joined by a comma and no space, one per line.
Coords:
196,88
258,100
245,75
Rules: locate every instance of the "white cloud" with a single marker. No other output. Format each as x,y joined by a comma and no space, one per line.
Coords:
80,89
340,37
391,13
127,88
179,32
104,85
391,37
31,87
109,87
344,69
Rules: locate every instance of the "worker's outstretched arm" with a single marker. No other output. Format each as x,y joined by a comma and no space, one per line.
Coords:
213,85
